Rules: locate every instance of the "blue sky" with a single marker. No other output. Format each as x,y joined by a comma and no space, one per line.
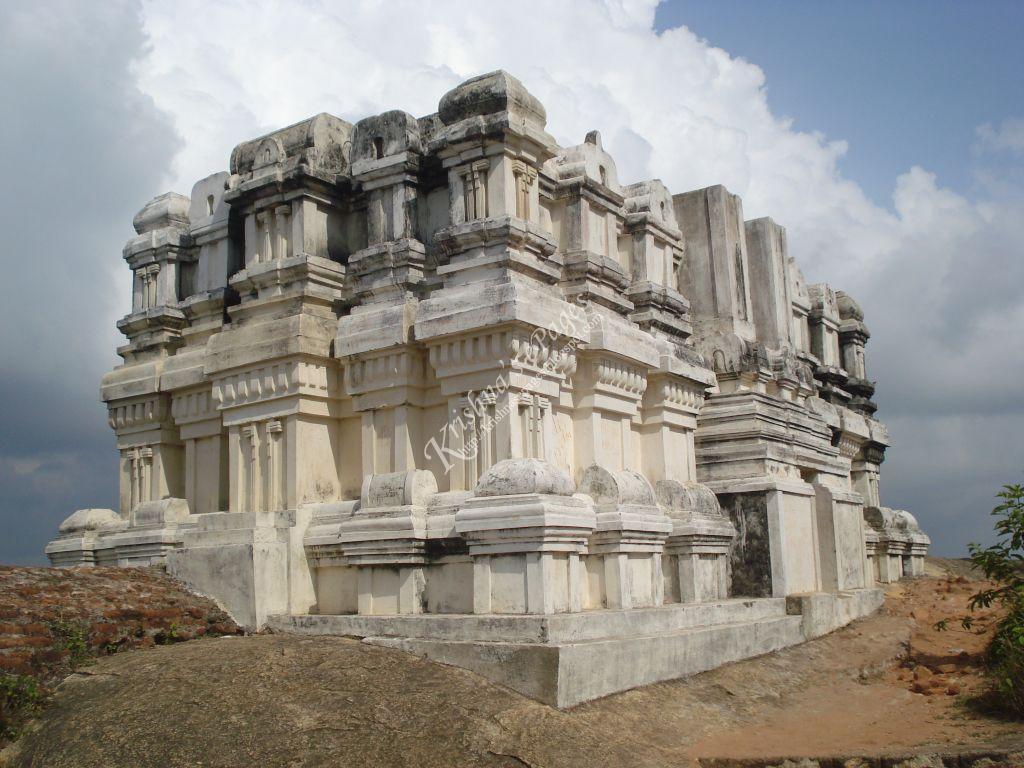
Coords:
887,137
905,83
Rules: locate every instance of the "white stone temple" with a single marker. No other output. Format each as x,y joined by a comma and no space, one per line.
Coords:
444,384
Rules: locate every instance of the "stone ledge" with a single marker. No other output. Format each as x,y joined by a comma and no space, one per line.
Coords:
566,659
567,674
555,628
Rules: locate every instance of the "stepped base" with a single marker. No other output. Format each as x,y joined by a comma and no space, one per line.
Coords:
566,659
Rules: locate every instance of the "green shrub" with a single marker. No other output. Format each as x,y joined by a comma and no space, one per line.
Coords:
1003,563
20,697
1006,664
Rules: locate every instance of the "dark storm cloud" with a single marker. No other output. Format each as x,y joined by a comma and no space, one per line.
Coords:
83,150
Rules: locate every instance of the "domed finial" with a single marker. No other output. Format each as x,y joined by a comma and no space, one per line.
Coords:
489,94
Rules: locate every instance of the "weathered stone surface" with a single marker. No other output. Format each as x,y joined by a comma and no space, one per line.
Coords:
487,94
513,476
750,553
92,520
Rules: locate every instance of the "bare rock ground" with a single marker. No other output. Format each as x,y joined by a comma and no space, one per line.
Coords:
886,687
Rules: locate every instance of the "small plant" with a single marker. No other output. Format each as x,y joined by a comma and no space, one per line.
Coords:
169,635
21,697
73,638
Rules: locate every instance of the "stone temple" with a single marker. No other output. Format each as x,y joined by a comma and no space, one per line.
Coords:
444,384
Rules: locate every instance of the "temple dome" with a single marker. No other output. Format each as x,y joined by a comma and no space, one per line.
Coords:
389,133
848,308
168,210
688,497
514,476
624,486
880,518
318,141
589,160
486,94
92,520
905,520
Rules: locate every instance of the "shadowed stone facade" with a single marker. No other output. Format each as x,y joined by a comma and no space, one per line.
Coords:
414,372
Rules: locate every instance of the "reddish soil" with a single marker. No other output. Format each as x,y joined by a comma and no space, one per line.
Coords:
923,700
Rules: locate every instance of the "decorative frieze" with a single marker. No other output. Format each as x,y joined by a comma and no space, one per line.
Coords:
150,412
289,378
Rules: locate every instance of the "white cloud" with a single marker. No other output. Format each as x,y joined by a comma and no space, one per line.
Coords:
1008,135
939,275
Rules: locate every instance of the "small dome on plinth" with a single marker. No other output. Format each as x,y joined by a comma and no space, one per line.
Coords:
622,487
319,141
515,476
167,210
848,308
487,94
388,133
687,498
